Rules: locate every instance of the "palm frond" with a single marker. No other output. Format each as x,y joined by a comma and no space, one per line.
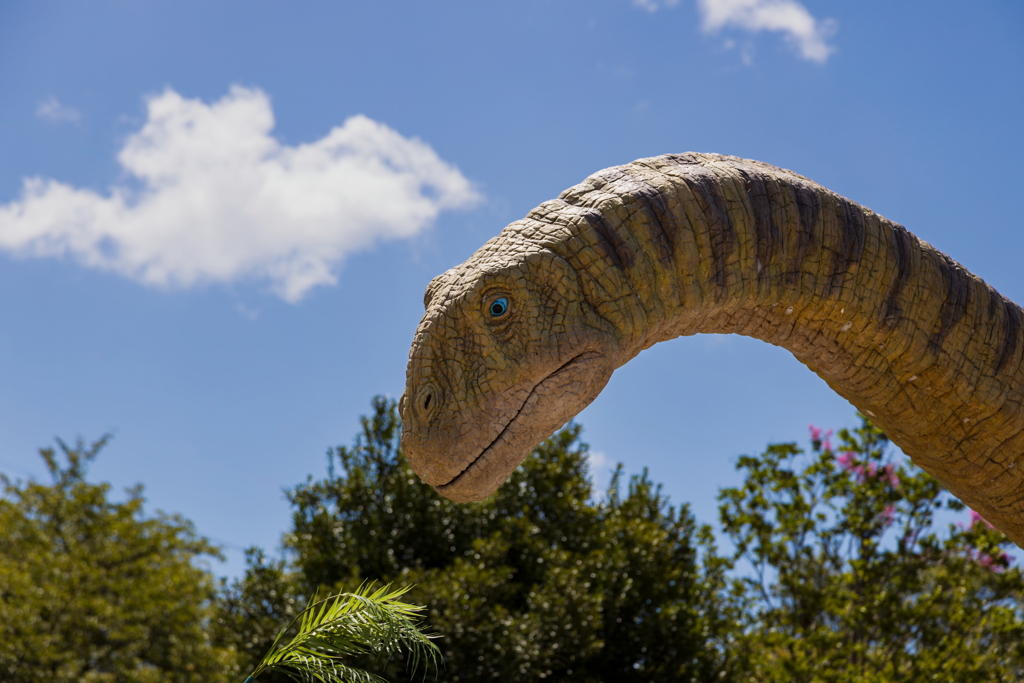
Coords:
332,629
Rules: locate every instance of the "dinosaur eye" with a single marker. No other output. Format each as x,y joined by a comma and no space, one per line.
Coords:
498,307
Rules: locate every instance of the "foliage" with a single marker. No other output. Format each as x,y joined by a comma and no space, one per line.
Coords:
848,576
333,630
252,611
539,581
92,590
851,581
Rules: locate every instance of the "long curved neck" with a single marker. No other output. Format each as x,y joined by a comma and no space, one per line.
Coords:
685,244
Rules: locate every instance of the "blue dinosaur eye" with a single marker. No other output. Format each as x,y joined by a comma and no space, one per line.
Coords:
498,307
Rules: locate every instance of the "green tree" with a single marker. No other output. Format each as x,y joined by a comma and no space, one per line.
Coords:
540,581
850,581
252,611
93,590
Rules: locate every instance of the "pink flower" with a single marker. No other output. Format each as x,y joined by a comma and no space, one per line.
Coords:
994,563
975,518
815,433
889,473
888,515
847,460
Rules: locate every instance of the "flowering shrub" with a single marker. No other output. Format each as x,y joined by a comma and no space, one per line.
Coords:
852,578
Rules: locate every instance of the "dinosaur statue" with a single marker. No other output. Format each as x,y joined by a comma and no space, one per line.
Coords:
525,334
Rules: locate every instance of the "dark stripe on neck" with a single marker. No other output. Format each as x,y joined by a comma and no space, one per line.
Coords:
764,200
850,249
808,206
1012,321
954,305
662,225
708,192
612,242
892,309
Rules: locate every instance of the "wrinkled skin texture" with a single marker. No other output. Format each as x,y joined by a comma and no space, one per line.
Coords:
703,243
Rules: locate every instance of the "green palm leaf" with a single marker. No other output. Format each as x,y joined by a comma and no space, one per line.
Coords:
337,627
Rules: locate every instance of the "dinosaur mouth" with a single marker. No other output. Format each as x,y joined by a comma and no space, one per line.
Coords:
570,373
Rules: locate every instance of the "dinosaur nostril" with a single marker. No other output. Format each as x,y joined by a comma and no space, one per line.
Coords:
426,401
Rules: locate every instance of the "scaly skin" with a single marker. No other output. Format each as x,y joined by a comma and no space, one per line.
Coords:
685,244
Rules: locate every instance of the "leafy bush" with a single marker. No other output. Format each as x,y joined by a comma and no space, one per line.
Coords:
852,581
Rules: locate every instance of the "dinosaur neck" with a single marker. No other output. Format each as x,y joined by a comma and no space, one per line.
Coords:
688,244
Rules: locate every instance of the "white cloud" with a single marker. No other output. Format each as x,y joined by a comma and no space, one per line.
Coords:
248,313
787,16
655,5
53,111
599,461
218,199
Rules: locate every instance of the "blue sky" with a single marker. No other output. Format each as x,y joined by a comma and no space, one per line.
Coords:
217,219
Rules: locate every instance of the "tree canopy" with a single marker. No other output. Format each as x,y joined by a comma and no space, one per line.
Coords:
848,564
541,581
852,579
842,571
93,590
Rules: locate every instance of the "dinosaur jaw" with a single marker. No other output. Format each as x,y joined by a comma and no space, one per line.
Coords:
553,401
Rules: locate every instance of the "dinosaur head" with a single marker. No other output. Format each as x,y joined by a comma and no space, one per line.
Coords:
507,352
